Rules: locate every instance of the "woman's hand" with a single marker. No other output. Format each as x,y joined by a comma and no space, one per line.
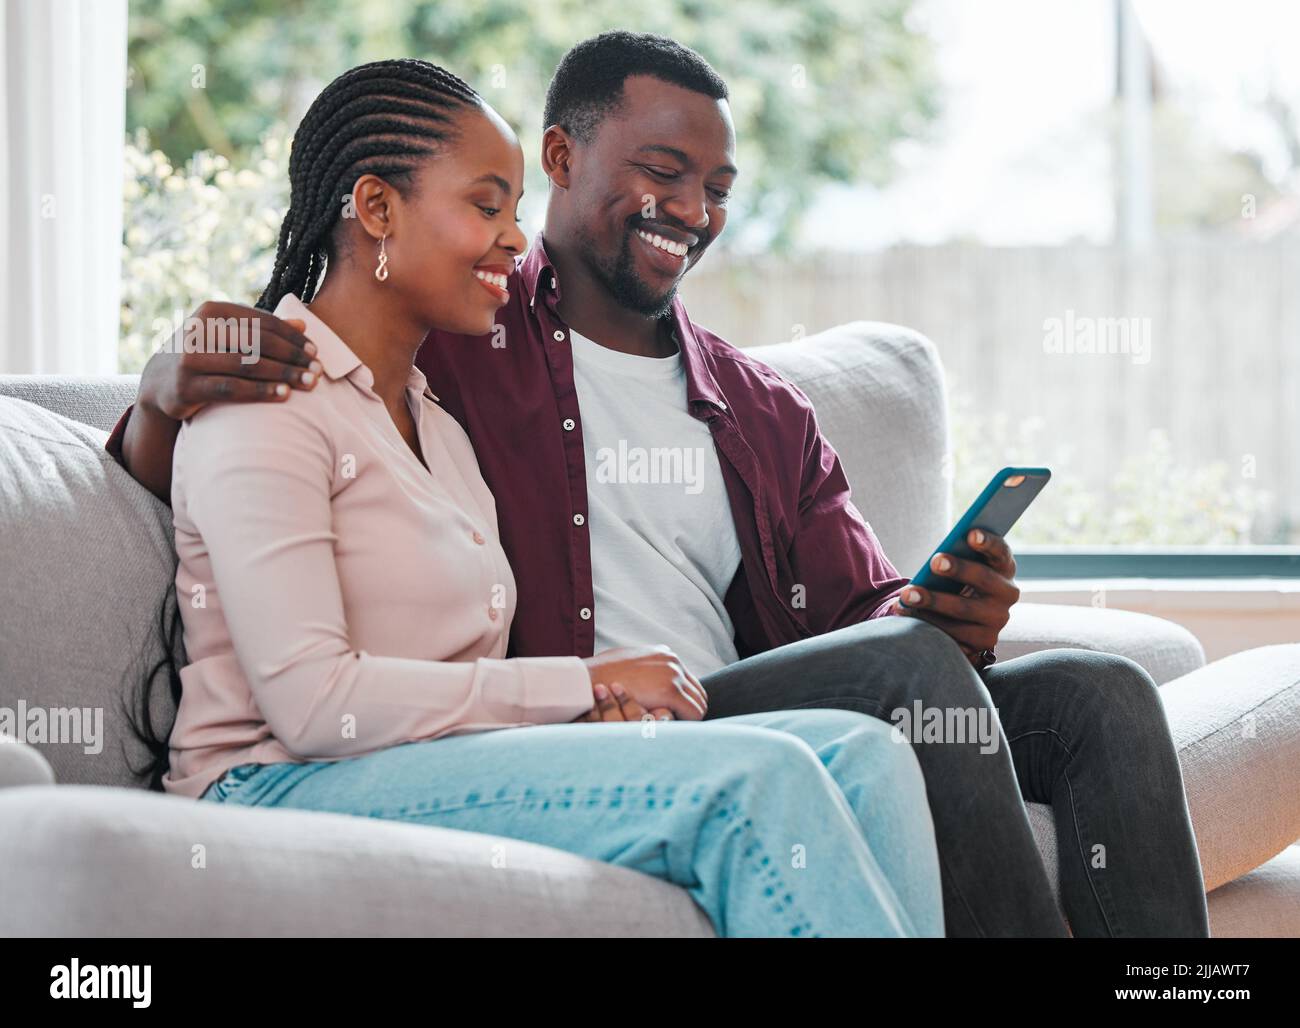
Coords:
651,677
617,705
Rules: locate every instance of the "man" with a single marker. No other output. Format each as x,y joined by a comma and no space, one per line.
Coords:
748,557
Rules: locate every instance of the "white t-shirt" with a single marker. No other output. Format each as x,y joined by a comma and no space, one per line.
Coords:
663,543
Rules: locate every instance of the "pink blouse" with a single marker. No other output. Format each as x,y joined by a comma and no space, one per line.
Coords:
337,597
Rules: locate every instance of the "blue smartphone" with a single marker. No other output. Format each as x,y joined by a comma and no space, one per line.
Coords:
1007,496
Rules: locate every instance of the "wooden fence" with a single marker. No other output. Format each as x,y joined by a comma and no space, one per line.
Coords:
1200,339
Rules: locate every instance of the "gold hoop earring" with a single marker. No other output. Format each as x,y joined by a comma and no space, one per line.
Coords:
381,272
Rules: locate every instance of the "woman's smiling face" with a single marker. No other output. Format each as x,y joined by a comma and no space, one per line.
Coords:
453,232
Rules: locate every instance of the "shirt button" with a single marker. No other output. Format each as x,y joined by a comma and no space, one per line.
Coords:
558,335
492,613
568,424
578,519
585,613
478,538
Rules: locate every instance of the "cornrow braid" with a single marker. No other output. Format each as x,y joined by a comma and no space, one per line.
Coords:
377,119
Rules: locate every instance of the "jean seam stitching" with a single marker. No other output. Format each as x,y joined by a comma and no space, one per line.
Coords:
952,880
407,813
1087,870
1074,814
747,829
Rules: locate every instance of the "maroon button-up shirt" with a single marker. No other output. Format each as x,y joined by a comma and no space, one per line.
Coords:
810,562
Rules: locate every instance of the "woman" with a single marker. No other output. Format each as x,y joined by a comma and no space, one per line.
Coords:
347,604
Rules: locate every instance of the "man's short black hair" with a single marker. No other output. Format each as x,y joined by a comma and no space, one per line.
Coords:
588,84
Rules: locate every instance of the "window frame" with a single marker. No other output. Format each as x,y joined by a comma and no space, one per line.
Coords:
1056,562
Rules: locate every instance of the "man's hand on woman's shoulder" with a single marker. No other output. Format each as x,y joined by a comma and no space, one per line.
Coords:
179,382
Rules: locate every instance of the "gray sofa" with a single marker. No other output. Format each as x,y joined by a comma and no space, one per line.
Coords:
86,556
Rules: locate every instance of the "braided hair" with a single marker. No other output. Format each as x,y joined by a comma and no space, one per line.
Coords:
377,119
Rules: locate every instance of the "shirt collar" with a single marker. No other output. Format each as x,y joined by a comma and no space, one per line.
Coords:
536,270
701,385
336,358
533,265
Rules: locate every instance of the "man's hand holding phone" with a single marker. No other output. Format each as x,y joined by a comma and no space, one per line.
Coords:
976,615
967,587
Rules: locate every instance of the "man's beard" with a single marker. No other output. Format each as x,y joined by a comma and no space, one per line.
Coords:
621,281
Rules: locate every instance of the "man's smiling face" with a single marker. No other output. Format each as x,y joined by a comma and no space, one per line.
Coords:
648,193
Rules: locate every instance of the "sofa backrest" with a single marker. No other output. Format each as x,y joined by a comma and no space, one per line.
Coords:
97,401
879,393
86,557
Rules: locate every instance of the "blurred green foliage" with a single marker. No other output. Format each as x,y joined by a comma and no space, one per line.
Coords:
820,90
205,230
1151,498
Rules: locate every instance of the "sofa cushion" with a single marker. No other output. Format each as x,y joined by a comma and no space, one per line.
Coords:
87,557
93,862
1264,904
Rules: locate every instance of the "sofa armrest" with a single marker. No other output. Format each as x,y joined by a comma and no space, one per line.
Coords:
1164,649
1236,723
21,764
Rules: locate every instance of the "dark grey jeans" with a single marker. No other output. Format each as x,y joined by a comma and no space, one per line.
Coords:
1080,730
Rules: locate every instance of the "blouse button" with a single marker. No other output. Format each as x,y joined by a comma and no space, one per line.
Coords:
558,335
568,424
585,613
578,519
478,538
492,613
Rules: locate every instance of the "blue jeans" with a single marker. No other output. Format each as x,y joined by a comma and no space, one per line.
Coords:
791,823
